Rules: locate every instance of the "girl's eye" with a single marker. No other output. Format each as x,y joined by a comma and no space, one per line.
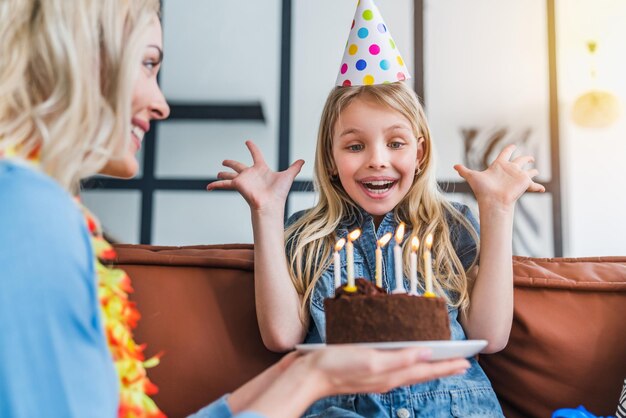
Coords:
396,145
355,147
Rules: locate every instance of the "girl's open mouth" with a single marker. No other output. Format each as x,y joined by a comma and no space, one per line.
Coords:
378,186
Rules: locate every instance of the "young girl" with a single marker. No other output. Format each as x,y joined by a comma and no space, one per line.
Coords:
374,168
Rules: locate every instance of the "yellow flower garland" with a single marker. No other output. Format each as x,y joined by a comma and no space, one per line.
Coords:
120,317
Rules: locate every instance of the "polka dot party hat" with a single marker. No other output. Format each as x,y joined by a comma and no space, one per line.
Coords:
371,55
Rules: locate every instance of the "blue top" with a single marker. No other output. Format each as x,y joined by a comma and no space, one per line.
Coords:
470,394
220,409
54,359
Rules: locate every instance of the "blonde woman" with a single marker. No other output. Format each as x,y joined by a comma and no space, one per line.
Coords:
374,168
78,88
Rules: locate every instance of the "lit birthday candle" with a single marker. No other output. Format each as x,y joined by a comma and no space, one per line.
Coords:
337,261
415,244
379,257
428,266
397,258
350,258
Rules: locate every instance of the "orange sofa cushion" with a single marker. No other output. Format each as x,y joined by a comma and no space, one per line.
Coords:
197,307
568,341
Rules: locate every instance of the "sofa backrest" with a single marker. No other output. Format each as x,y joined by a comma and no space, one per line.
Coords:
568,341
567,345
197,307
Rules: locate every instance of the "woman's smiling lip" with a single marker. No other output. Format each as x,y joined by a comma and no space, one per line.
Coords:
145,126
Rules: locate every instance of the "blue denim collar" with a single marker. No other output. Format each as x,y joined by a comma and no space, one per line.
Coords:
358,218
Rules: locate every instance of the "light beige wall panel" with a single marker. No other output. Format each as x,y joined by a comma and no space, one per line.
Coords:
118,211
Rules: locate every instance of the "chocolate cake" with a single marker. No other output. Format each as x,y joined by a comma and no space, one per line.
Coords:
372,315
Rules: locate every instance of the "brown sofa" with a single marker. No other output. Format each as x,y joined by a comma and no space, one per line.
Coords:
567,346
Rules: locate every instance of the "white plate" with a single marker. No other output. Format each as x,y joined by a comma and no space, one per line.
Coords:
441,350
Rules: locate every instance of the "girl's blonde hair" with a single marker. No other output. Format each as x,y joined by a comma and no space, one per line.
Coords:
66,79
309,240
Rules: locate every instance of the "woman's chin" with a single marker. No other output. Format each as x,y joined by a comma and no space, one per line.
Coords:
123,169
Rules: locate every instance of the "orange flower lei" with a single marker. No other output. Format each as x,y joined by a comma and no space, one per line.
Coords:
120,318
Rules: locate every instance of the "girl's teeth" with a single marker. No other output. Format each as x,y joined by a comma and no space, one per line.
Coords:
378,187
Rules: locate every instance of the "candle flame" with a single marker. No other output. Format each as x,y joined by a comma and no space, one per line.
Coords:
429,241
415,243
400,233
354,235
385,239
339,245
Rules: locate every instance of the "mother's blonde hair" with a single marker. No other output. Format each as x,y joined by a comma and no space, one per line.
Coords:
309,240
66,79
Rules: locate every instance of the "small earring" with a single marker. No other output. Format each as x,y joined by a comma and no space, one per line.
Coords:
418,170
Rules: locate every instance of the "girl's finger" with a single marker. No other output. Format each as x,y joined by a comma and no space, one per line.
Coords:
226,175
533,172
522,160
235,165
462,170
295,168
220,184
536,187
257,155
505,154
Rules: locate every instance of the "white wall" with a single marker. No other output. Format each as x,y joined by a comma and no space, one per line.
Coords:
486,68
593,159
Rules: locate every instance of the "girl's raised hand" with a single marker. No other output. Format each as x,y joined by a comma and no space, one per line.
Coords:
504,181
258,184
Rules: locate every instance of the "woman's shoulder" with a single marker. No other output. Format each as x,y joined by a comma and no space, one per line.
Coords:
22,181
37,213
25,190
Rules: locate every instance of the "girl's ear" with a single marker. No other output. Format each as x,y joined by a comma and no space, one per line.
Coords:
420,150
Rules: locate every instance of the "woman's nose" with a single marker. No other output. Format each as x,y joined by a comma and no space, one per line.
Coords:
159,109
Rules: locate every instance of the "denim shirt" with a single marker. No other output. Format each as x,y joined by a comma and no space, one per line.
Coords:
469,395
